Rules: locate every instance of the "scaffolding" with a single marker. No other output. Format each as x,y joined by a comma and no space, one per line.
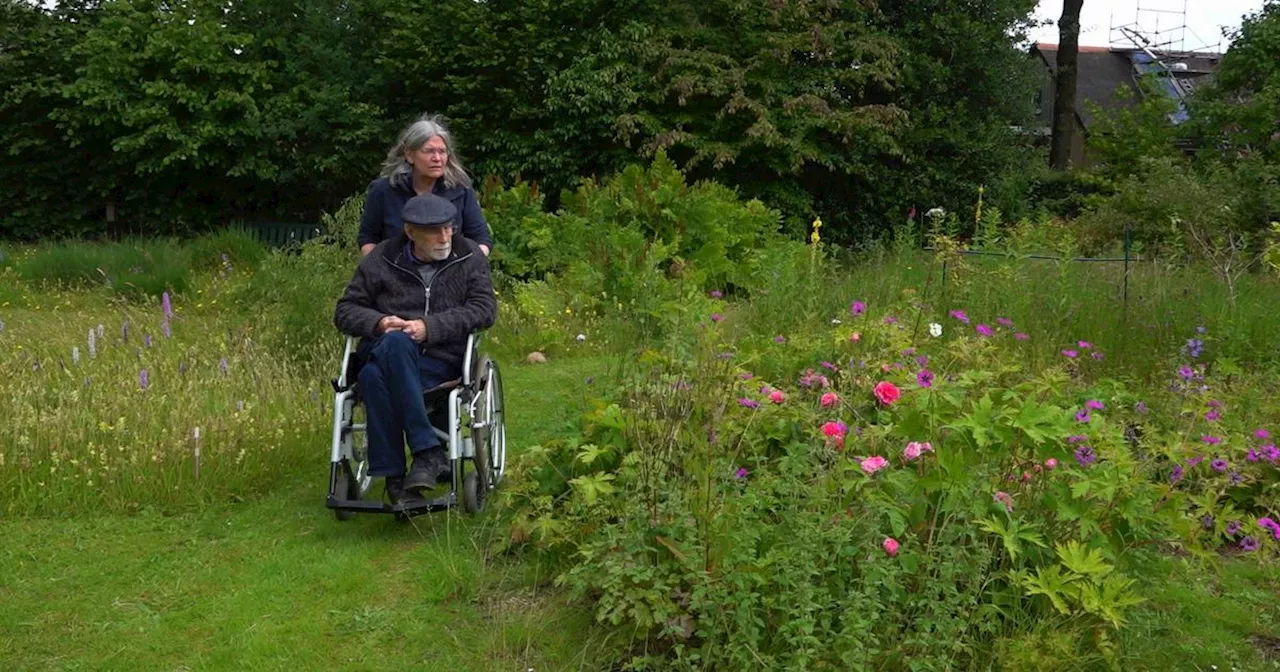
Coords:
1160,26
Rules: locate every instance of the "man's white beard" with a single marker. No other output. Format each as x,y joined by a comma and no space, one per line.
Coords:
439,254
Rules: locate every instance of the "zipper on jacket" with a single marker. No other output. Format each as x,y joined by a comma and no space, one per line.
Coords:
426,288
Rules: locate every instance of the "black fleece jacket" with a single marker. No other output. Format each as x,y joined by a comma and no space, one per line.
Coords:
459,300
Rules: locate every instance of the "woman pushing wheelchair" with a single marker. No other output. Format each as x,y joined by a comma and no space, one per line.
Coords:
415,299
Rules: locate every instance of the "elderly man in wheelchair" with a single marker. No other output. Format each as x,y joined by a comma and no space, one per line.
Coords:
417,302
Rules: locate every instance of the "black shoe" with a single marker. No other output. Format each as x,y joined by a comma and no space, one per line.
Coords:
427,468
399,496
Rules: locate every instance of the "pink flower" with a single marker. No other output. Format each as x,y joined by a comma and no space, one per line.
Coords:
1004,322
1084,345
835,429
924,378
983,330
1005,499
779,339
890,546
1051,463
716,294
915,449
857,308
886,392
960,315
830,399
1262,434
1026,476
873,464
1021,336
777,396
1070,354
1095,405
716,317
855,337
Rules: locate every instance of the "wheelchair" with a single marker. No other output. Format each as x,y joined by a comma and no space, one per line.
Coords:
466,413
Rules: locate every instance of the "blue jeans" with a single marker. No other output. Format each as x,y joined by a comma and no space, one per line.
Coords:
392,381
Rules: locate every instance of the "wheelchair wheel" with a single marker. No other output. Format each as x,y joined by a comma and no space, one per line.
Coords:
353,480
494,420
342,489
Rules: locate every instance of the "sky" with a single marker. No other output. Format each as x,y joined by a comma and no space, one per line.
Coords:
1204,18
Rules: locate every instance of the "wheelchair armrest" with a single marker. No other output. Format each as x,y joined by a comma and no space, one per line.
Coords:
469,358
348,351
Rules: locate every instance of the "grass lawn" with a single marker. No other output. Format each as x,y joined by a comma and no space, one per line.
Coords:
279,583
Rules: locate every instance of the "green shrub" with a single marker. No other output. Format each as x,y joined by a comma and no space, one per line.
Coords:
134,267
226,249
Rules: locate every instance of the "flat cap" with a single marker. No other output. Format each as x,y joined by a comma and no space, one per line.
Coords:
429,210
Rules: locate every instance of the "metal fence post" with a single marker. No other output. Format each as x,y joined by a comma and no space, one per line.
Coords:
1128,242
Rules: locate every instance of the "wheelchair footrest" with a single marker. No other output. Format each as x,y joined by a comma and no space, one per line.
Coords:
445,501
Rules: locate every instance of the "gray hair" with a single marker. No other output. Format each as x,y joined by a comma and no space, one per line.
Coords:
412,138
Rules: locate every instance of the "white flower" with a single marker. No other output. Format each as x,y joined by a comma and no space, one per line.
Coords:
935,329
581,338
935,212
835,321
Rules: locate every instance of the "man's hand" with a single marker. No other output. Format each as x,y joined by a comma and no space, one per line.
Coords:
417,330
483,248
391,323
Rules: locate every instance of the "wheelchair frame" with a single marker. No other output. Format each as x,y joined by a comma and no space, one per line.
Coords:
478,397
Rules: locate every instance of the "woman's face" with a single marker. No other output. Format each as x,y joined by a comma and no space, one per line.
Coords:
428,160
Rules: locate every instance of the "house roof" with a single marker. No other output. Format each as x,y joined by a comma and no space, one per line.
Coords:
1099,73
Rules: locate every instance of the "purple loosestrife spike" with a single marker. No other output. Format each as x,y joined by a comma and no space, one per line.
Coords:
225,368
164,329
75,355
124,333
146,340
166,305
93,344
144,379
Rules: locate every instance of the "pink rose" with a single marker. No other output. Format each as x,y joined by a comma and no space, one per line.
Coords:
890,546
886,392
873,464
915,449
830,399
777,396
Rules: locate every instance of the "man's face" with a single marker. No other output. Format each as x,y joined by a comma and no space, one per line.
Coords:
430,242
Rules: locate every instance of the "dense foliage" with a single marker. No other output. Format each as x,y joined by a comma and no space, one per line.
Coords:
176,115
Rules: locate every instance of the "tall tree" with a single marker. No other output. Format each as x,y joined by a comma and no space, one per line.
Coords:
1064,96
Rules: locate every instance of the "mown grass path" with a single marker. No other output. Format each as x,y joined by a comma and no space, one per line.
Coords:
278,583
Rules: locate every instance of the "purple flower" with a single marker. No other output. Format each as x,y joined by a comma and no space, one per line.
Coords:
1248,544
741,473
146,340
1212,416
144,380
1235,478
1021,336
924,378
748,403
716,294
716,317
1193,461
1185,372
1200,330
1262,434
1214,403
1211,440
1219,465
1207,521
922,361
1085,456
828,366
166,305
779,339
1083,415
1004,322
1193,347
983,330
1084,345
1077,438
164,328
124,332
1176,474
960,315
1252,455
746,375
1268,524
1097,355
857,308
1140,407
1233,528
889,319
1095,405
1271,453
1070,354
